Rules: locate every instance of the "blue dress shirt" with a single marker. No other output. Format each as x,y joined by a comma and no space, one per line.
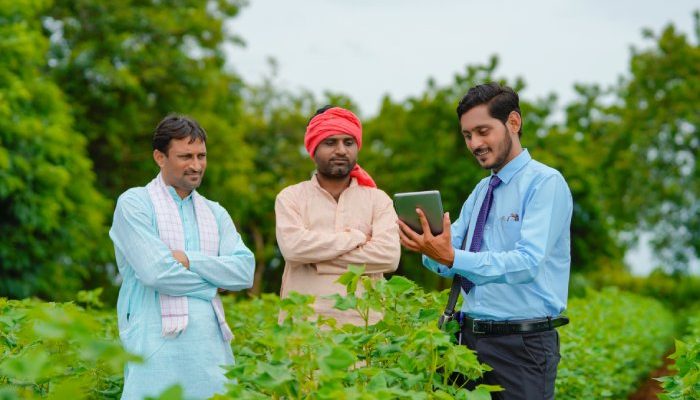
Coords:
522,270
147,267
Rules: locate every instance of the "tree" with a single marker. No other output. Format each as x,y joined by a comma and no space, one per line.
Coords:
51,216
644,135
125,65
659,142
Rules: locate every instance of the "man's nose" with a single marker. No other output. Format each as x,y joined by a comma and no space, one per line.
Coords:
473,143
341,148
196,164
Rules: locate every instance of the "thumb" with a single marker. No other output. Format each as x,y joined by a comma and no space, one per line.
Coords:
446,222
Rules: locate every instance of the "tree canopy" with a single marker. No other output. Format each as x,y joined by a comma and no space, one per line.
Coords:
83,84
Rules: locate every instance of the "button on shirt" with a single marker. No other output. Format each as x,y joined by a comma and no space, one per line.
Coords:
522,269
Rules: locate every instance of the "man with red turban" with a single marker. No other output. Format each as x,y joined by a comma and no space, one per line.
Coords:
336,218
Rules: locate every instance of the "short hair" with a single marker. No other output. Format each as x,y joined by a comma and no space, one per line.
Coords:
500,101
176,127
320,111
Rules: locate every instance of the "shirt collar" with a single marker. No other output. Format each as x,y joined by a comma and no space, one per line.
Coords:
176,196
509,170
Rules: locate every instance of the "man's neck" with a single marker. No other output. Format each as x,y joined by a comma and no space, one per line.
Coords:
333,186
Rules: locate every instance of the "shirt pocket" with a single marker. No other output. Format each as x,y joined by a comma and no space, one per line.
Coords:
510,231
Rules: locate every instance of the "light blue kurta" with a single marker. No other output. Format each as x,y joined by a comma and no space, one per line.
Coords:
194,358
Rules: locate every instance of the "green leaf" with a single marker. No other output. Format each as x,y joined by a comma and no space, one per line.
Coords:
174,392
339,359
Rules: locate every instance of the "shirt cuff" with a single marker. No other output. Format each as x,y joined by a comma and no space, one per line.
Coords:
464,263
359,237
196,259
438,268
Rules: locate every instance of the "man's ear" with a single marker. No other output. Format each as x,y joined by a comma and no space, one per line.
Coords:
159,157
514,122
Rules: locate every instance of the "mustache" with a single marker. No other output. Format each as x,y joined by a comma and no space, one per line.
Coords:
340,159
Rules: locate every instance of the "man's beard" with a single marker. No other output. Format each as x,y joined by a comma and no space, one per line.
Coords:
501,157
335,172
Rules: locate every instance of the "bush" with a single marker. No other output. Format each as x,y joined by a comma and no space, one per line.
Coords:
403,356
58,350
685,384
614,339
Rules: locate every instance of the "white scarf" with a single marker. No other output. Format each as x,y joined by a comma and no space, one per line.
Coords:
173,309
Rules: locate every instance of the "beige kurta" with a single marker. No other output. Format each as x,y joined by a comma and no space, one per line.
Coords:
319,237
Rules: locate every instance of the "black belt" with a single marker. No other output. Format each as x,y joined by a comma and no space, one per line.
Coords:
487,327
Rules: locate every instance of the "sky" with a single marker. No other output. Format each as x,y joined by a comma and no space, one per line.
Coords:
369,48
366,49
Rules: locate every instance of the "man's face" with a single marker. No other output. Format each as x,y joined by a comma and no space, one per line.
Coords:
491,142
184,164
336,156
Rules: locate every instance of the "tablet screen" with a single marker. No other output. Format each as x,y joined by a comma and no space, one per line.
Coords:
428,201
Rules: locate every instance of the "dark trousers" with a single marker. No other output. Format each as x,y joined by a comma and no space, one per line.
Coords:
525,365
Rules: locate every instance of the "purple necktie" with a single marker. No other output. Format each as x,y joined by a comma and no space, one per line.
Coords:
478,236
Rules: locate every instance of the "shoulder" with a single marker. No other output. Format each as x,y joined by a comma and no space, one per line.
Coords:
135,198
378,195
217,209
540,172
294,192
538,176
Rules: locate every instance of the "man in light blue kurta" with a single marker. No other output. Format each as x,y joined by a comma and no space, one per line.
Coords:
150,269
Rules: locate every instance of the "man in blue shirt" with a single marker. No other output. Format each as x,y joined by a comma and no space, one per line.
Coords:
510,247
174,250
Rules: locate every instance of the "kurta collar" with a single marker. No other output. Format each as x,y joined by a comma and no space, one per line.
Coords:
176,196
314,181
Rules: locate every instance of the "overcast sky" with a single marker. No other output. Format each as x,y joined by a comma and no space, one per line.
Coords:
366,48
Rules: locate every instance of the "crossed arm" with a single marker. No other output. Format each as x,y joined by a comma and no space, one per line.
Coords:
178,273
378,251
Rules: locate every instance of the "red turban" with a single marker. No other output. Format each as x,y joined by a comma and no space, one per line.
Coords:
337,121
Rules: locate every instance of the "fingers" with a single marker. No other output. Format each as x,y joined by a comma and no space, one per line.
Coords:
408,243
446,224
409,238
424,223
410,233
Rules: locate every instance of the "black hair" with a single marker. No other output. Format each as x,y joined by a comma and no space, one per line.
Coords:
500,100
320,111
176,127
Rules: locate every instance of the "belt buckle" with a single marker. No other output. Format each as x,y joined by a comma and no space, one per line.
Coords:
475,322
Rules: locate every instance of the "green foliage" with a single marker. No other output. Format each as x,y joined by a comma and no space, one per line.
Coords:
676,290
51,217
685,384
403,356
125,65
58,351
614,339
644,138
65,351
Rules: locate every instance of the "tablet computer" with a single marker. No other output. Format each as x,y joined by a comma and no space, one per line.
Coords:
428,201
